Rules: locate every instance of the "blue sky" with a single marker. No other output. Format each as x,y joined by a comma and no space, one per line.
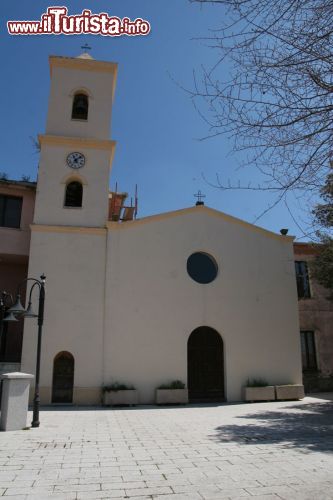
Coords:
154,122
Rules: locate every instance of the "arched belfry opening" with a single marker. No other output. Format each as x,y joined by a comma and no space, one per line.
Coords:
80,106
205,365
63,378
73,194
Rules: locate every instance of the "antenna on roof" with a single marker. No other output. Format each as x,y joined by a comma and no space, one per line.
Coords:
136,201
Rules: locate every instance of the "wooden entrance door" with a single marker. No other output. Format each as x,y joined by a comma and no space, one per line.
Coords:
63,378
205,367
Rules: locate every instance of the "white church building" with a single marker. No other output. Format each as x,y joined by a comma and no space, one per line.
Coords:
194,294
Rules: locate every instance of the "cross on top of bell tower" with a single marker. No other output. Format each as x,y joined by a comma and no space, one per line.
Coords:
85,54
85,47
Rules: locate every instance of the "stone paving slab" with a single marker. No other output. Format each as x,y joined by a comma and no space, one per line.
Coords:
279,450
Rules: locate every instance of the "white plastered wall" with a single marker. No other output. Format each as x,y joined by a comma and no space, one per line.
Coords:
64,83
74,264
152,305
53,175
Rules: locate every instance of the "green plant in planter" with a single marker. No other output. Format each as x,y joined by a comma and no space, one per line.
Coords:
176,384
116,386
256,382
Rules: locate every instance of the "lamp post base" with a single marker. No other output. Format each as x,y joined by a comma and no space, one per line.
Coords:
35,409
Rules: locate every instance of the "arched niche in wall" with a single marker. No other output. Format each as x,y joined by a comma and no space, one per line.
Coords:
63,378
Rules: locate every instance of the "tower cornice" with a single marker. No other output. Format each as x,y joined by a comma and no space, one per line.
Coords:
84,142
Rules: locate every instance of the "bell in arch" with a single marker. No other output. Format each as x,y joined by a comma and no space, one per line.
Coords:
80,107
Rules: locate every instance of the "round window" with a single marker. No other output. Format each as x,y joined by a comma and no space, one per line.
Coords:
202,267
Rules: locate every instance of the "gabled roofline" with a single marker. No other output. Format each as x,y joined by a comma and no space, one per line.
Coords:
199,209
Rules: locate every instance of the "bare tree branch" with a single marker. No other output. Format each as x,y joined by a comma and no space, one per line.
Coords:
271,89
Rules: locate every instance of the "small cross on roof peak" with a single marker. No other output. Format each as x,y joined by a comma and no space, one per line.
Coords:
199,197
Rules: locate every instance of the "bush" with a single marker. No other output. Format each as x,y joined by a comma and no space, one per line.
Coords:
256,382
116,386
176,384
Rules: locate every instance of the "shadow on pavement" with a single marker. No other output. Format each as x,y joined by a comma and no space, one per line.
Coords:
306,426
93,408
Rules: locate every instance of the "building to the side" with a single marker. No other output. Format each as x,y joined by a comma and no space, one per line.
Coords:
17,200
316,323
194,295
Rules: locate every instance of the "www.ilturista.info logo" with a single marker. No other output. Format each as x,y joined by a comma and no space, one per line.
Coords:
56,21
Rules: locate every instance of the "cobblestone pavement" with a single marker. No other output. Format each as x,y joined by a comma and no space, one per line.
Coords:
281,450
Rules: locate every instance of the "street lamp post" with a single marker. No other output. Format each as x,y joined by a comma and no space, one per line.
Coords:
35,418
4,298
18,310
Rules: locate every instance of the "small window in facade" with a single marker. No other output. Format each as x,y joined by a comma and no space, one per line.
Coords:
10,211
302,278
80,107
73,196
309,361
202,267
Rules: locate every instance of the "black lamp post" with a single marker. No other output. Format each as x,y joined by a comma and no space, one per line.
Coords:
6,300
18,310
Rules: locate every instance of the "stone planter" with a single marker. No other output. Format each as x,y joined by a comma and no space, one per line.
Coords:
128,397
171,396
266,393
292,392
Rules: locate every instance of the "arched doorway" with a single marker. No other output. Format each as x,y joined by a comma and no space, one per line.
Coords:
63,378
205,365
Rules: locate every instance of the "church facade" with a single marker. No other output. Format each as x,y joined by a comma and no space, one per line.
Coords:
193,295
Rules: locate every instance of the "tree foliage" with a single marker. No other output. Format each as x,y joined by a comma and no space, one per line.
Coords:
324,211
322,266
271,87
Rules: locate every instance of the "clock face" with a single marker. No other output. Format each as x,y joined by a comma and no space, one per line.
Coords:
76,160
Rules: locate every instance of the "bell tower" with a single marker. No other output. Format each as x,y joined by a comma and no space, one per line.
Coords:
76,152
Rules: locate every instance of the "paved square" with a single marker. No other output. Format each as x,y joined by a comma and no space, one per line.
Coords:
281,450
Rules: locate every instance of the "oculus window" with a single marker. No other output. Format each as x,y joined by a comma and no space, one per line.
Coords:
10,211
202,267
